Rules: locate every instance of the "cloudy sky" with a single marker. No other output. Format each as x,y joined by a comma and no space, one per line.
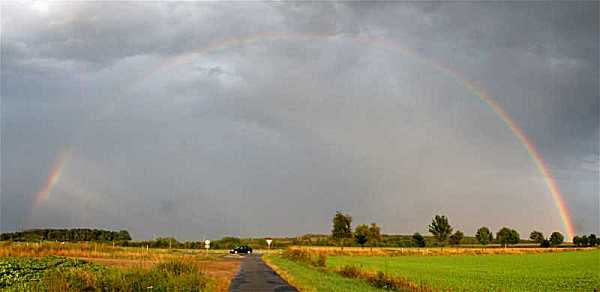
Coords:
253,119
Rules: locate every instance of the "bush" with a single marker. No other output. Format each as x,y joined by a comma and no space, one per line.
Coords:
418,239
322,261
379,279
349,271
545,243
307,257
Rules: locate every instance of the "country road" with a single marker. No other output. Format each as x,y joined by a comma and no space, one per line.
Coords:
255,275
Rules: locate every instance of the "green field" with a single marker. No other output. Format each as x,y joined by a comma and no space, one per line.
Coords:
308,278
561,271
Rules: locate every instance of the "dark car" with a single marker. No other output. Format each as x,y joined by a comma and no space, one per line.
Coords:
241,249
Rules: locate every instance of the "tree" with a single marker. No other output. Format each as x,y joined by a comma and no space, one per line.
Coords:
374,234
456,237
342,226
545,243
584,240
440,228
592,240
556,238
123,235
577,240
418,239
484,235
361,234
536,236
507,236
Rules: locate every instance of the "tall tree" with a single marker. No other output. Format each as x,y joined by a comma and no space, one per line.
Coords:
342,226
584,240
123,235
593,240
361,234
484,235
440,228
556,238
456,237
507,236
577,240
374,235
536,236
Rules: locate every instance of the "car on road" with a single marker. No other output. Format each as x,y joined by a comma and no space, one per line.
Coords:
241,249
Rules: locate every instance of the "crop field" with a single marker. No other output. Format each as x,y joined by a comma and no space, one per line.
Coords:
534,271
433,251
559,271
78,267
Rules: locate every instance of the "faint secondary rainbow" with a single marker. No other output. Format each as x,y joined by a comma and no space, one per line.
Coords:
385,44
53,178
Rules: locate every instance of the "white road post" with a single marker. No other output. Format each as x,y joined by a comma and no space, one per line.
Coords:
207,245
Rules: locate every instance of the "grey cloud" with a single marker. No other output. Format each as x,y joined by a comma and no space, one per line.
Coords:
272,136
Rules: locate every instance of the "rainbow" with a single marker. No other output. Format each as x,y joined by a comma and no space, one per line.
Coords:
53,178
385,44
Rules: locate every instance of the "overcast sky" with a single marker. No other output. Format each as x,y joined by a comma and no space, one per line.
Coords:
262,119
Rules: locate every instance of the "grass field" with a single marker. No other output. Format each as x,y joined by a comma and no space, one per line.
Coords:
559,271
307,278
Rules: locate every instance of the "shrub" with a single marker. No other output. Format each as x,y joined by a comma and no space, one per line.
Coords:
380,280
350,271
456,237
322,260
545,243
307,257
418,239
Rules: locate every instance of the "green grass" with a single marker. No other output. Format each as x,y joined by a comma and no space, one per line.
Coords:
309,278
561,271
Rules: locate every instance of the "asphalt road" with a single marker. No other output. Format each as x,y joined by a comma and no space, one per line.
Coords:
255,275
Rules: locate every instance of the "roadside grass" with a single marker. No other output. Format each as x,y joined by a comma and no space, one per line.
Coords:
307,278
558,271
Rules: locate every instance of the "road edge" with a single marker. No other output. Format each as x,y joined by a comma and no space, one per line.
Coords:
285,275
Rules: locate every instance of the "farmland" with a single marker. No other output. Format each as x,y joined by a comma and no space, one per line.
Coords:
523,271
88,266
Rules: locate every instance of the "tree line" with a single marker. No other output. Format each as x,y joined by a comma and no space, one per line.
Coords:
68,235
444,233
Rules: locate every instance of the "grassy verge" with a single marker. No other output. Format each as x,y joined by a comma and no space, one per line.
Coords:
561,271
308,278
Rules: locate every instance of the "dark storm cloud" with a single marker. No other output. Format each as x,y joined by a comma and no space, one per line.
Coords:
272,136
